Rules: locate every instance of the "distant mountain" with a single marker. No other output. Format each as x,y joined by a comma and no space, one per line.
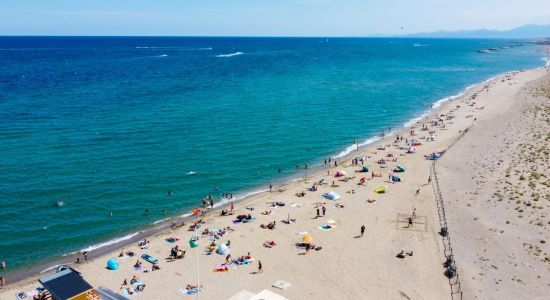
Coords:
523,32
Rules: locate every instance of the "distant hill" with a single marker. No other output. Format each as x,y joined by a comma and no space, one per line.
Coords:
523,32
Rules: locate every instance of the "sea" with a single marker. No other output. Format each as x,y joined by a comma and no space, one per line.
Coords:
136,126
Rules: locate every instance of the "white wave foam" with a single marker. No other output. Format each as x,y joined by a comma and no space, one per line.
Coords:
50,268
230,54
159,221
191,173
411,122
419,45
107,243
547,60
351,148
162,55
176,48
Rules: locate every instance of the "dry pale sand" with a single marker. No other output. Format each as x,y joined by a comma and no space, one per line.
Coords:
362,268
497,187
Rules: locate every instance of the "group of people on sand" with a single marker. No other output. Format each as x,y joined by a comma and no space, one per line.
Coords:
177,253
139,287
217,233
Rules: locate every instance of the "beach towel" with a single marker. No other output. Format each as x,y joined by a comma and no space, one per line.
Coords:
172,240
149,258
189,292
326,227
281,284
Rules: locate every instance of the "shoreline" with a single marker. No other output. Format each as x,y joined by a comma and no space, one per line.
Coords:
25,273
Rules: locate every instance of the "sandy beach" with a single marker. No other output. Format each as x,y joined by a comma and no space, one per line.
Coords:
497,220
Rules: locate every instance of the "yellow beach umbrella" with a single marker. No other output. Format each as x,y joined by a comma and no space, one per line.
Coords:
307,239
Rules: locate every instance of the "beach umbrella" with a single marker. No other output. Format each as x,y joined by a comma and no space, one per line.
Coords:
196,211
307,239
222,249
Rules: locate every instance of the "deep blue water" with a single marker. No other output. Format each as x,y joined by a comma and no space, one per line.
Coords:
112,124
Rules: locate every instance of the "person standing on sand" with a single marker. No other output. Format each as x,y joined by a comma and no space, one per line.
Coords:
324,211
270,187
410,222
318,213
260,269
232,206
414,213
429,179
362,230
2,282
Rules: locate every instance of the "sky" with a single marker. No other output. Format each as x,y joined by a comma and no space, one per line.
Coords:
263,17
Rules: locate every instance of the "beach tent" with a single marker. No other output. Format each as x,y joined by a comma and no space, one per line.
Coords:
412,150
193,243
66,285
331,196
222,249
399,168
112,264
365,170
340,174
395,178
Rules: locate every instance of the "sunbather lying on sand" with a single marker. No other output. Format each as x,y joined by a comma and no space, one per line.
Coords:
288,221
270,244
270,225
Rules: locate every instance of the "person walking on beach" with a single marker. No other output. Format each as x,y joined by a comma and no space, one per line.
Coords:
414,213
270,187
324,211
232,206
410,222
417,192
429,179
260,269
85,253
2,282
362,230
318,213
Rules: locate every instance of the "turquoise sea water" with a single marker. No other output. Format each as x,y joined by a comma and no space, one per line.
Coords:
113,124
